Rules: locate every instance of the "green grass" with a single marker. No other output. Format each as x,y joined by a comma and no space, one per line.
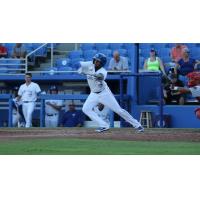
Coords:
67,146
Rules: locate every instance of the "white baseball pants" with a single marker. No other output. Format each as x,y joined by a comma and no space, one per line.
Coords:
51,121
28,109
106,98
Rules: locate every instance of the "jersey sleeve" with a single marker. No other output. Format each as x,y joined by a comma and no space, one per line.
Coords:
37,89
20,91
60,103
104,72
86,64
86,67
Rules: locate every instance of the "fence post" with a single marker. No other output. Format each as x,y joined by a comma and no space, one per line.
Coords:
42,110
161,102
10,112
121,86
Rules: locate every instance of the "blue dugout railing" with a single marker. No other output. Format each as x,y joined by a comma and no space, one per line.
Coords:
8,98
139,75
69,97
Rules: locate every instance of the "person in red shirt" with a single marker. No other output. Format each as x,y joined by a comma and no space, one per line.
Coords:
3,51
177,51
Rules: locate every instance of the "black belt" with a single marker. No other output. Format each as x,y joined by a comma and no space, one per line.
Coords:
99,92
27,101
50,115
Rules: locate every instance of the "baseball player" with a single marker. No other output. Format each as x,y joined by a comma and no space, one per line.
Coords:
52,109
103,112
100,93
193,88
28,93
17,113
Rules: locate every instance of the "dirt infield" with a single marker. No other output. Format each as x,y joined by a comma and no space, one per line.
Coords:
115,134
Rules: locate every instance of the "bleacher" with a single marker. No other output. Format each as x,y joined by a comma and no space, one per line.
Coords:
87,51
9,65
163,50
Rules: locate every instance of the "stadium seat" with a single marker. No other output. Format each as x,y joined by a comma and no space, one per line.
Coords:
164,52
67,68
195,52
107,63
62,62
73,62
141,62
145,46
128,45
106,52
191,45
3,66
145,52
75,54
166,59
123,52
170,45
15,63
197,44
42,52
159,45
87,46
100,46
116,46
89,54
36,45
54,45
9,45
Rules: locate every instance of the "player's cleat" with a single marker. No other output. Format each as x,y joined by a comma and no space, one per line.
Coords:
102,129
140,129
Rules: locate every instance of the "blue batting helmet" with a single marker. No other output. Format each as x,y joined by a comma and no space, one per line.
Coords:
101,58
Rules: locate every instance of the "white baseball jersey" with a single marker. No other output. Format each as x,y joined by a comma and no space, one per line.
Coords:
29,92
49,109
195,91
94,84
103,114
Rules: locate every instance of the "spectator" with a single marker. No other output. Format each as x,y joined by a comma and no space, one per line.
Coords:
154,63
52,109
118,62
3,51
19,51
169,96
103,112
176,52
73,117
186,64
